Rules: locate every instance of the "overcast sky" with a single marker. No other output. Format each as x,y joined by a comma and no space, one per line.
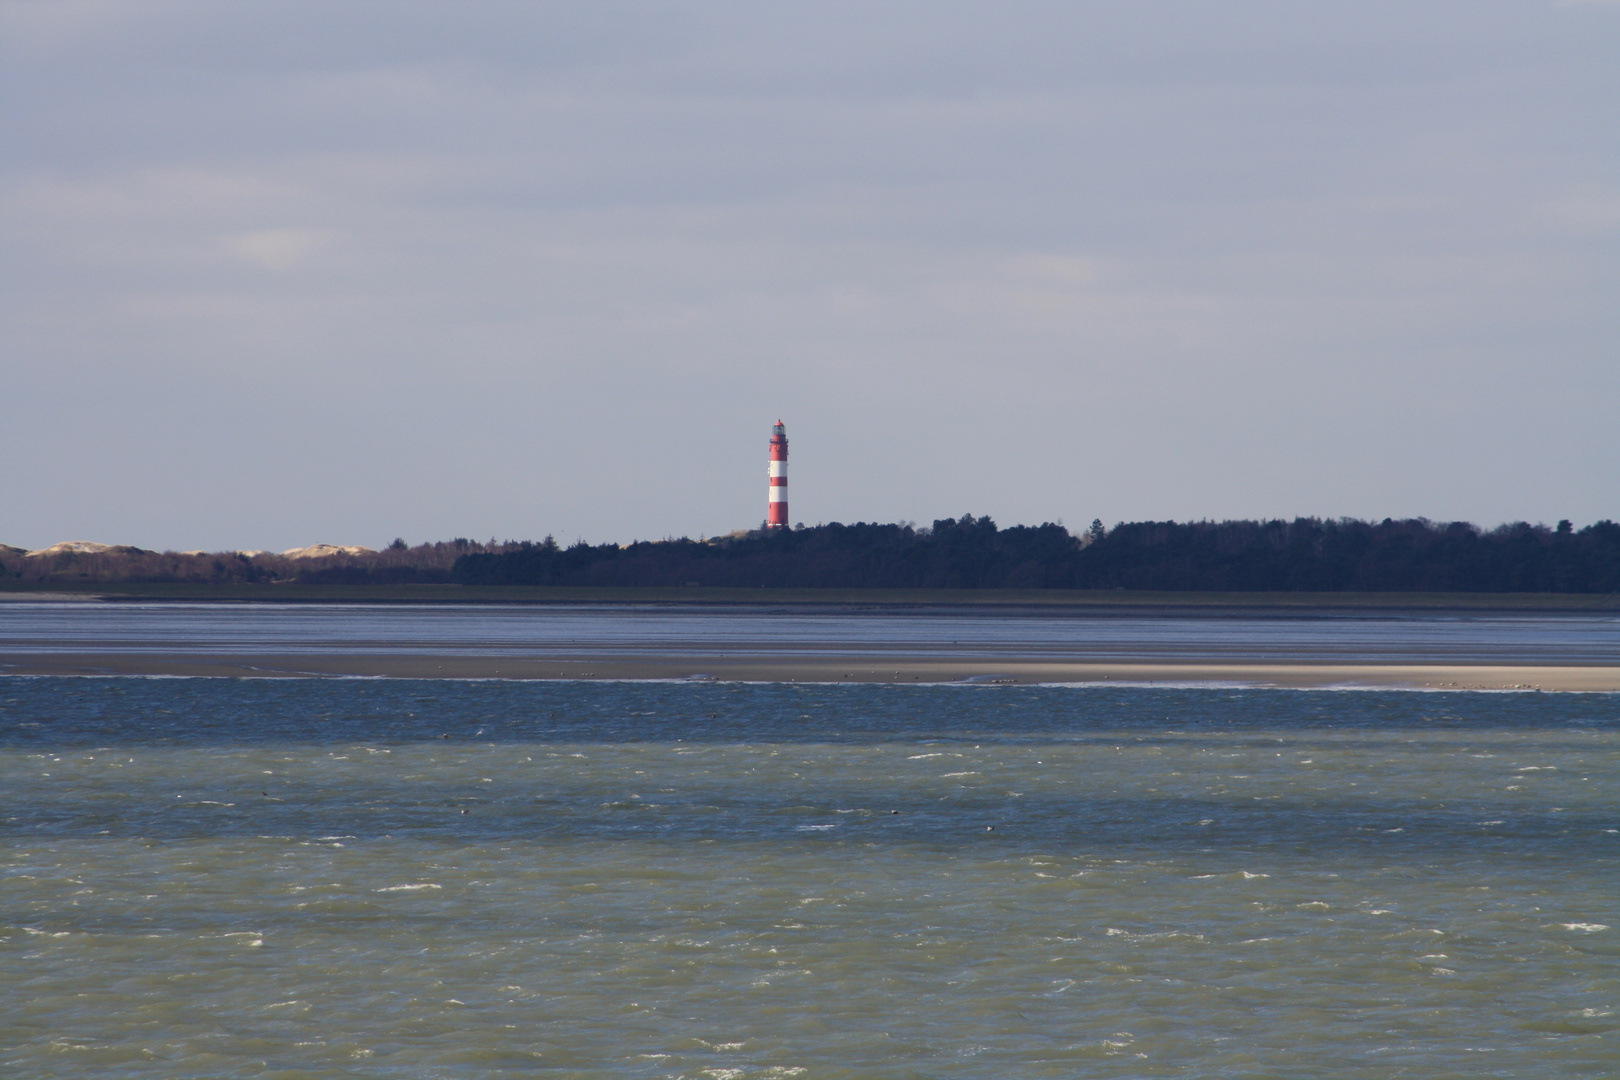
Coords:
280,273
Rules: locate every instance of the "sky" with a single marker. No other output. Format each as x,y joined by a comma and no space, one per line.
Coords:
285,273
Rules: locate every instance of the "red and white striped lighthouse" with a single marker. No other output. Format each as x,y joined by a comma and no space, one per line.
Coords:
776,510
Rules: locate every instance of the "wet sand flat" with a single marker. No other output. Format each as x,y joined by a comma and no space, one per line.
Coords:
847,668
1561,651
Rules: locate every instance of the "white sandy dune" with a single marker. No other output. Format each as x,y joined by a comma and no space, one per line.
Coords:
321,551
80,547
90,547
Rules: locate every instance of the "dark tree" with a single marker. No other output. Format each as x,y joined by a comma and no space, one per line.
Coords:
1306,554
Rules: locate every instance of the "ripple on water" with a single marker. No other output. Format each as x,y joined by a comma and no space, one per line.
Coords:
706,879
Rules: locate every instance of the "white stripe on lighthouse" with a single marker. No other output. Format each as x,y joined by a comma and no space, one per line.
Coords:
776,513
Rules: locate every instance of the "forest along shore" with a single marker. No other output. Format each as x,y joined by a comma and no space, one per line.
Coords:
967,553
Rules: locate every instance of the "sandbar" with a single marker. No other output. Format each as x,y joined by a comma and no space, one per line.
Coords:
1001,670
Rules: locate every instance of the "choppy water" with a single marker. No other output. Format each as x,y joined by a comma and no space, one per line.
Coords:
490,879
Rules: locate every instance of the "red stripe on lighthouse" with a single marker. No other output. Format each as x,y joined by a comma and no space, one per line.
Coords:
776,509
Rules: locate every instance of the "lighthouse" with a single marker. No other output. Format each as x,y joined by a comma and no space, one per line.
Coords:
776,510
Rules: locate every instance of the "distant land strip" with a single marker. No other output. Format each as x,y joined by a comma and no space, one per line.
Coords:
1303,562
1122,602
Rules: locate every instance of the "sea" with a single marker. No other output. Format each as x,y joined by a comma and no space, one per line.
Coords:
347,877
664,630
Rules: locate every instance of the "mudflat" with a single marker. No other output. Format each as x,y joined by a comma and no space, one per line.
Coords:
1461,650
849,668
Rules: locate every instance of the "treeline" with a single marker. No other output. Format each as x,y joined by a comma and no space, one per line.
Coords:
1303,555
399,563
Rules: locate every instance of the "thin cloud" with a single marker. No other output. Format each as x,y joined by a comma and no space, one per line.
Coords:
278,249
1220,260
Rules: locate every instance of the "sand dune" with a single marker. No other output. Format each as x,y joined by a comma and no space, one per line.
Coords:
321,551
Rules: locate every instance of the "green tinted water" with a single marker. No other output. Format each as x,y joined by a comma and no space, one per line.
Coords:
213,878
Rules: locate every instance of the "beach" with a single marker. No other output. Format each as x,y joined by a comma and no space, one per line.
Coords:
1009,670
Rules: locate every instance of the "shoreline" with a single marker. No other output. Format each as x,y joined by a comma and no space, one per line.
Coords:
908,671
1002,601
